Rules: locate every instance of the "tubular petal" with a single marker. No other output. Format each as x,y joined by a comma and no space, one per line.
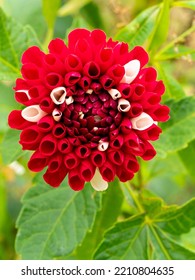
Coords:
33,113
58,95
132,69
97,182
142,122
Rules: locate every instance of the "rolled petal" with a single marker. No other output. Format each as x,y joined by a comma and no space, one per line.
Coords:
92,70
98,183
37,162
116,72
131,164
124,175
115,94
103,146
117,142
82,151
69,100
142,122
55,178
123,105
135,110
48,145
16,121
33,113
58,47
98,158
132,69
149,152
85,83
116,156
73,63
64,146
58,95
55,163
47,105
53,80
46,124
75,181
71,160
56,115
30,138
87,170
125,90
22,96
30,72
59,130
107,82
33,55
107,171
140,54
126,126
72,78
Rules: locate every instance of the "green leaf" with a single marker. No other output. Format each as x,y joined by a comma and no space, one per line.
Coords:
150,235
72,7
179,130
160,32
112,201
14,39
10,148
53,222
178,51
185,4
50,9
173,88
187,156
139,29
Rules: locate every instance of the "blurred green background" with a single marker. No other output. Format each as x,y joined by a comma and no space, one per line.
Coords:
166,177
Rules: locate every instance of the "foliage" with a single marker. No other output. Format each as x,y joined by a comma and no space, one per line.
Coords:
152,217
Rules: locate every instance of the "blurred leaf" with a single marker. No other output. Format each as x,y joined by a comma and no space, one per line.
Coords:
14,39
50,9
160,32
147,236
53,222
185,4
173,88
136,32
111,205
178,51
187,156
92,15
31,14
10,148
72,7
179,130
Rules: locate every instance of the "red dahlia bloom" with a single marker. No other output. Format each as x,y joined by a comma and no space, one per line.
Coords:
91,108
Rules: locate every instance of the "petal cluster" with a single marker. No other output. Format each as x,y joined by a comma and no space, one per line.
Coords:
90,108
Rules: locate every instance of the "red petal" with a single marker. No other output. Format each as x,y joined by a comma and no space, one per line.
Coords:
33,55
16,121
75,181
37,162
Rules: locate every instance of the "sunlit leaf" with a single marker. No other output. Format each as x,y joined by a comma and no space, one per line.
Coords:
185,4
53,222
160,32
136,32
150,235
72,7
179,130
14,39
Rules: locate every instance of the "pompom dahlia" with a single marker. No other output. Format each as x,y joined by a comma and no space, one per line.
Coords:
91,108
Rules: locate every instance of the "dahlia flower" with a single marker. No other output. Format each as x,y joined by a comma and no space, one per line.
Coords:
91,107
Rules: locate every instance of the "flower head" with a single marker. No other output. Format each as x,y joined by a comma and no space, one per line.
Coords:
91,107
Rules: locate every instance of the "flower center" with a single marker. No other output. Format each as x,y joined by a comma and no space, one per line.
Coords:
91,117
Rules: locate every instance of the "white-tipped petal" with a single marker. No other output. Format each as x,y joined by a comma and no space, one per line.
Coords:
98,183
142,122
131,71
26,92
103,146
123,105
58,95
81,115
33,113
114,93
69,100
89,91
57,115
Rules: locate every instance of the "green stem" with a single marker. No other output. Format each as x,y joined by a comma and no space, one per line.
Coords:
48,38
176,40
135,197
